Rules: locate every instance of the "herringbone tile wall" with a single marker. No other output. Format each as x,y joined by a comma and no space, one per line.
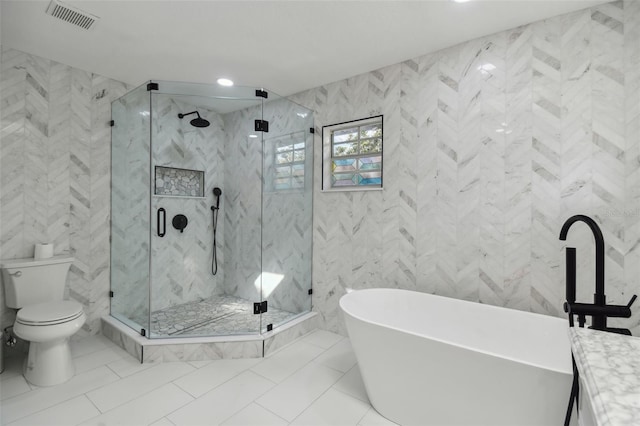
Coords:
489,146
54,171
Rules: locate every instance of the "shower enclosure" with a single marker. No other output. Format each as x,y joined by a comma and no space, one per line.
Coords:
211,210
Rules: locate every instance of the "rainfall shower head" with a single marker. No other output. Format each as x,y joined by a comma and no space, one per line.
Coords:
196,122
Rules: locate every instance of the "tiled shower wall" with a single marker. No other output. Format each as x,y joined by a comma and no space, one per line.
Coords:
54,171
489,146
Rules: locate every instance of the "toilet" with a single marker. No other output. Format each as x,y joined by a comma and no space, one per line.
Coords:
36,288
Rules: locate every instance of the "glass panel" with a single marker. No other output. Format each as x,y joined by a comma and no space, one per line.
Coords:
370,163
345,165
344,179
370,145
283,171
341,149
345,135
370,131
130,211
287,214
298,170
286,157
283,146
370,181
297,182
370,175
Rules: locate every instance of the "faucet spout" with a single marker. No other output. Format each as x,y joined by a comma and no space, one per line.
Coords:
599,321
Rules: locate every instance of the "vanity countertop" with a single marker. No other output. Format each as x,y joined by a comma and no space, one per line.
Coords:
609,366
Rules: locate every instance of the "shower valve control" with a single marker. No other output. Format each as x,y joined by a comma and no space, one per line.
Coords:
180,222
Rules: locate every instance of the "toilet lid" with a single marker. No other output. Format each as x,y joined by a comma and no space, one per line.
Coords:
49,313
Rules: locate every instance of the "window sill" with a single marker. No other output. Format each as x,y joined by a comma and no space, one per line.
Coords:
351,189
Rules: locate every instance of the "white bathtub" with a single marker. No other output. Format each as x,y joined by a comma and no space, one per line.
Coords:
432,360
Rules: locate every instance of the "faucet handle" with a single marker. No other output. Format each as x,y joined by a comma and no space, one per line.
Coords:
633,299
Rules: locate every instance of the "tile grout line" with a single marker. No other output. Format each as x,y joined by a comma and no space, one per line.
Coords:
295,371
267,408
226,381
95,406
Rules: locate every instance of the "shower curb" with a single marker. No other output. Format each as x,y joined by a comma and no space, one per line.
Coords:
206,348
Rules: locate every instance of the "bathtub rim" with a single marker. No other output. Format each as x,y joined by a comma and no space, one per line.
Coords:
569,370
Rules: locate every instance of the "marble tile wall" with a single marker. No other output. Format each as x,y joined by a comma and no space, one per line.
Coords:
54,171
483,163
489,147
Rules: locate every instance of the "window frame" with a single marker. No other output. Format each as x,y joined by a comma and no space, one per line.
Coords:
327,154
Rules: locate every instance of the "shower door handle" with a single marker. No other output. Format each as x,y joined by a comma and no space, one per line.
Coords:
163,222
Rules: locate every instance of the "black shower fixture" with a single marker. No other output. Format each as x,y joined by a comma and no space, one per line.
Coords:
180,222
217,192
196,122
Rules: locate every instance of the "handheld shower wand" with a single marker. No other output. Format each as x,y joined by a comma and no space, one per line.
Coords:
217,192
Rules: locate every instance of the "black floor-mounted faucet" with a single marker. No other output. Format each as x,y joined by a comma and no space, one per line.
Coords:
598,310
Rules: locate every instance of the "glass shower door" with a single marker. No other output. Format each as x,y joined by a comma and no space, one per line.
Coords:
130,195
286,210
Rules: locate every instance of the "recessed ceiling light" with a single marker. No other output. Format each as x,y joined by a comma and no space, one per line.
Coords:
460,1
225,82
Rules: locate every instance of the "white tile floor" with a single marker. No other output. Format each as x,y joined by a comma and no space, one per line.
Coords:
313,381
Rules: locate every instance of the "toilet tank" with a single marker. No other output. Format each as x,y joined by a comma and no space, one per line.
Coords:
29,281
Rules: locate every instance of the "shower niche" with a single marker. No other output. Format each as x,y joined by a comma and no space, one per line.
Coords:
209,153
170,181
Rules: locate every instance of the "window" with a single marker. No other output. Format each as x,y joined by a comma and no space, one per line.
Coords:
352,155
288,161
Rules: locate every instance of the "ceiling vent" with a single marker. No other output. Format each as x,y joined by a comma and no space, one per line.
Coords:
71,14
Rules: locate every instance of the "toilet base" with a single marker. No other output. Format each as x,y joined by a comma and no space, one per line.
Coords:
49,363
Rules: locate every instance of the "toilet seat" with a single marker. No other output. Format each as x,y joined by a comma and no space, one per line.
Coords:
50,313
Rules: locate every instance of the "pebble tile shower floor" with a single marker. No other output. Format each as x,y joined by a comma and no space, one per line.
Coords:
312,381
218,315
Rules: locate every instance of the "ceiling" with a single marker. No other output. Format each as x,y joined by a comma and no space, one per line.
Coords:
285,46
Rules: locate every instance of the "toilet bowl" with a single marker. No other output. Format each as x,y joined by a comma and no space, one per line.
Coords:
36,287
48,326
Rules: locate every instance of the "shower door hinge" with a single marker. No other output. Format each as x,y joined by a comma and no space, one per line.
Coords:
312,130
261,126
262,93
143,332
111,294
269,327
260,307
152,86
112,123
310,291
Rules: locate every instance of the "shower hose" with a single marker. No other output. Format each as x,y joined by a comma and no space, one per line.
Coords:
214,258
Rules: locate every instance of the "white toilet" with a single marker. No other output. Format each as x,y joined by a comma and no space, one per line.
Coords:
36,288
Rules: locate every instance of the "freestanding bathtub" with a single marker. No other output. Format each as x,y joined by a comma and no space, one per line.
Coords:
432,360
